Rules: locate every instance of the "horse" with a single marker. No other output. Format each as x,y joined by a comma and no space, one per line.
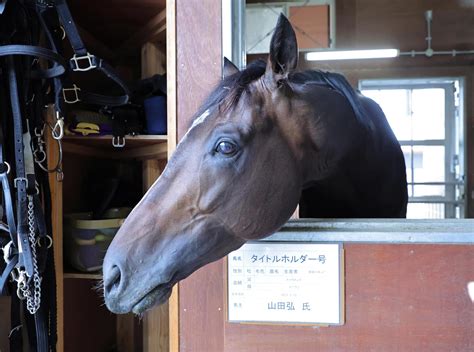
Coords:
266,139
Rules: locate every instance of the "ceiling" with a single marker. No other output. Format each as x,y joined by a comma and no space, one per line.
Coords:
112,22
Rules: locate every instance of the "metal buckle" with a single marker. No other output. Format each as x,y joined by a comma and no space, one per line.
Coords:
118,142
16,180
88,58
76,91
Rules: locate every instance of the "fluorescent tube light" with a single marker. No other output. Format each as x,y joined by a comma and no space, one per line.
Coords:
351,54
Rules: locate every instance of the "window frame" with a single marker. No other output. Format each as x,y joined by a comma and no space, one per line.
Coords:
454,119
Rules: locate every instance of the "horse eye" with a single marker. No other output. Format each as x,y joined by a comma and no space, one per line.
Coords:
226,148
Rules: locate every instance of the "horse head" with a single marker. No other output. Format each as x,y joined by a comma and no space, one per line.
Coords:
236,175
216,191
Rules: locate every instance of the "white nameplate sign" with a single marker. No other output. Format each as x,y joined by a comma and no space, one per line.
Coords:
286,283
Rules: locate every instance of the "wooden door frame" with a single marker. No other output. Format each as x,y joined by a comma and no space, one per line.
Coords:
194,66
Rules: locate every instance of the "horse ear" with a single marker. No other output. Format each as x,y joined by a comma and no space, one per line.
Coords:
283,56
229,68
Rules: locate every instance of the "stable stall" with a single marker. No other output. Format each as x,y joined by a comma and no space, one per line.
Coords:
316,284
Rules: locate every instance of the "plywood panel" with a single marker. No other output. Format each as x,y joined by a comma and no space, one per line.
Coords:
311,24
91,330
398,298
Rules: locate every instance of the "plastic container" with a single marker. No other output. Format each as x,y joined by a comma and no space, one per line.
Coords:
155,113
87,240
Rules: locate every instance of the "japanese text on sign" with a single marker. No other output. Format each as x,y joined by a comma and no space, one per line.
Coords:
286,283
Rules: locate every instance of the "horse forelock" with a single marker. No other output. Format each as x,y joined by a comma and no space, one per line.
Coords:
231,89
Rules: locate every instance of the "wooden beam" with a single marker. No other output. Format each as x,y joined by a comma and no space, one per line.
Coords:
145,34
155,151
96,46
159,35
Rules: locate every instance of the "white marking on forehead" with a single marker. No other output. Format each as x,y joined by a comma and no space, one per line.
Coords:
200,119
197,121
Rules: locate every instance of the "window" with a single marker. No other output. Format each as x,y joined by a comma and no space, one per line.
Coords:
426,116
313,21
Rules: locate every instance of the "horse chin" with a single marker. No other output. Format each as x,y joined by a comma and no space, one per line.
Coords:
157,296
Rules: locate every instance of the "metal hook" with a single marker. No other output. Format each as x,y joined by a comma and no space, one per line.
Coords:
58,129
38,134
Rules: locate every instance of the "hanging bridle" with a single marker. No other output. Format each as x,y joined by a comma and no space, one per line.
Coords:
34,76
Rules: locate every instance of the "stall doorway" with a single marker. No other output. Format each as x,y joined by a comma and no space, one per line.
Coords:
427,118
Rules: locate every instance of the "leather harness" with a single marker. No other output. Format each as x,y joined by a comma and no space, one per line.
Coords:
27,86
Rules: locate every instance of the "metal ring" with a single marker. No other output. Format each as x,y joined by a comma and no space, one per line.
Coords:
39,152
8,168
50,243
64,32
7,252
57,168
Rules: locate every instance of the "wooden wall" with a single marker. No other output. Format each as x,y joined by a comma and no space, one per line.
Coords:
401,24
399,298
198,68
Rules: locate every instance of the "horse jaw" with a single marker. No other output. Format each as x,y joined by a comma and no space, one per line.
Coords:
145,261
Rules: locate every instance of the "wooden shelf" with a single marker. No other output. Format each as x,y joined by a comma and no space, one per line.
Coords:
87,276
136,147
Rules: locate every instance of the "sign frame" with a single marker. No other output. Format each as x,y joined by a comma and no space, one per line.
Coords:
341,293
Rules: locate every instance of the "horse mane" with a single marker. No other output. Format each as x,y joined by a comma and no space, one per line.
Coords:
231,88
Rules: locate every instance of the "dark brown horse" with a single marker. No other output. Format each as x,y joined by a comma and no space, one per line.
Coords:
266,138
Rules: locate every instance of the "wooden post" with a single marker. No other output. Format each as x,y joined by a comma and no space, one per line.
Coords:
198,68
156,325
57,222
171,59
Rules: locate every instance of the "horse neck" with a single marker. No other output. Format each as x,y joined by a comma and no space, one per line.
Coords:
331,133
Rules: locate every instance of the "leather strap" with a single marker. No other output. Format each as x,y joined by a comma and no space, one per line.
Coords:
58,69
7,197
20,181
6,275
84,61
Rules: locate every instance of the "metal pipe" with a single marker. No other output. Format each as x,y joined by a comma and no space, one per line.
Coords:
428,17
429,52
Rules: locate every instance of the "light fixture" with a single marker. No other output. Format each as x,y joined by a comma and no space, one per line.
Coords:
326,55
351,54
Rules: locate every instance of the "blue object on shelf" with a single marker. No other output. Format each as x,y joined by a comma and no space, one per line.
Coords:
155,113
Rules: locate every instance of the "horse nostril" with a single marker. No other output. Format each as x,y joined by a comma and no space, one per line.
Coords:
112,281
